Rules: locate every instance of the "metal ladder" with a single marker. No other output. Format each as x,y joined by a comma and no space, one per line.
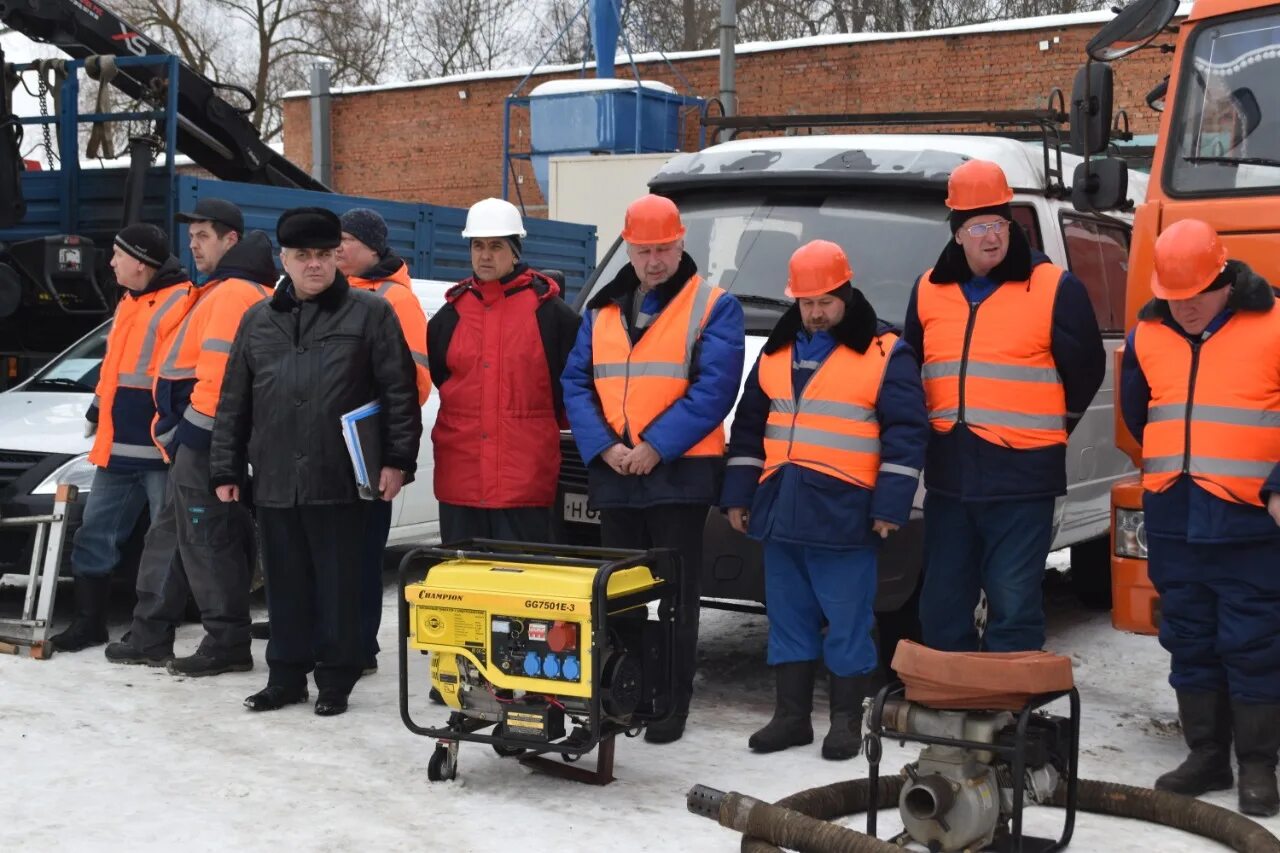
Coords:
30,632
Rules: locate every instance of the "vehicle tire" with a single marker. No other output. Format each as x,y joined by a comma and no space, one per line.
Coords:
1091,573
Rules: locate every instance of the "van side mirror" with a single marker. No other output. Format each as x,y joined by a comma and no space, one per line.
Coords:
1100,184
1132,29
1091,109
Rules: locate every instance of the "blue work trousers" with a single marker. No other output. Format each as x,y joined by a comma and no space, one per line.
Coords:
114,503
1220,616
804,584
999,547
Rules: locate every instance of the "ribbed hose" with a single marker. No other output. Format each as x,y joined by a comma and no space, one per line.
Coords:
1174,811
799,821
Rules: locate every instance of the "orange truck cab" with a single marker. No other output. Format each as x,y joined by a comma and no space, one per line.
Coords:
1217,159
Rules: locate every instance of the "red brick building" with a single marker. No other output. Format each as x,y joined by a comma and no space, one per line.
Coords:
440,140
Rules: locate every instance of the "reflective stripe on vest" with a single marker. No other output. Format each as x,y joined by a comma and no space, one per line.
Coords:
637,384
990,365
142,324
1214,413
832,427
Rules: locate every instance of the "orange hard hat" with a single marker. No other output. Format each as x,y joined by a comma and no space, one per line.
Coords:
817,267
977,183
1189,256
652,220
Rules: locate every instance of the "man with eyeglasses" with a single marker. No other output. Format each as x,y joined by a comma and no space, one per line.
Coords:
1011,357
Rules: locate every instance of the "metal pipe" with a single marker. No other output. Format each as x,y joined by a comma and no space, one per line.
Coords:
728,39
321,136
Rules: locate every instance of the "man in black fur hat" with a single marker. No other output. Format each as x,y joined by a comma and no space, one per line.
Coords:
828,442
313,352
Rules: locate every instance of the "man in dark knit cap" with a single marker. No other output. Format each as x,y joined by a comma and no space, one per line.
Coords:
313,352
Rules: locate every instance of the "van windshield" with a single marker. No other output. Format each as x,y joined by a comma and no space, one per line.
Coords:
742,242
1229,109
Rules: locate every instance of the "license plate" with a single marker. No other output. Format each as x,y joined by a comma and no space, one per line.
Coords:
575,509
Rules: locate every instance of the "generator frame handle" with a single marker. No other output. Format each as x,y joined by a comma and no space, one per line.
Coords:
616,559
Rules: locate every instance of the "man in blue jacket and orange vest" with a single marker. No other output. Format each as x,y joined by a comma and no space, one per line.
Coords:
130,471
655,371
828,442
1200,388
1011,356
200,546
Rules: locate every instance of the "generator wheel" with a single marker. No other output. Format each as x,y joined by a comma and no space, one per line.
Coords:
569,759
443,765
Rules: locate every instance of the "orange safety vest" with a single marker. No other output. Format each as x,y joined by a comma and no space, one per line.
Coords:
398,290
637,384
990,366
142,325
1215,407
832,428
199,351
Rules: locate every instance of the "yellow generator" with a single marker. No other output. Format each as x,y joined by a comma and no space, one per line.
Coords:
553,649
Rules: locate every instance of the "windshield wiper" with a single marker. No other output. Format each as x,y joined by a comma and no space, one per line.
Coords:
1234,161
772,301
60,382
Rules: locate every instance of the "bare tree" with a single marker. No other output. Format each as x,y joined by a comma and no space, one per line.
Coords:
440,37
265,46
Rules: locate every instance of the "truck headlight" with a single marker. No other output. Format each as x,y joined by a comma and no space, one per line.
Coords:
1131,534
76,472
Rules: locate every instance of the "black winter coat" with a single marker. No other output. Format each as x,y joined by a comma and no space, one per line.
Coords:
295,368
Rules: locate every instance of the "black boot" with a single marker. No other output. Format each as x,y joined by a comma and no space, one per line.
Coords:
793,706
844,741
204,663
1257,729
123,651
330,703
89,627
260,630
1206,727
273,697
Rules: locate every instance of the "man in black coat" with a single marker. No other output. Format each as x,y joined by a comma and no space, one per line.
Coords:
313,352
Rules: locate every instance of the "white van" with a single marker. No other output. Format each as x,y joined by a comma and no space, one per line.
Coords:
42,444
748,204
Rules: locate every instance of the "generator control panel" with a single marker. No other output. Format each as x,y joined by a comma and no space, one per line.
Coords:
537,648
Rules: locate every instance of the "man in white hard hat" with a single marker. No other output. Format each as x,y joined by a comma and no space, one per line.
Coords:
496,351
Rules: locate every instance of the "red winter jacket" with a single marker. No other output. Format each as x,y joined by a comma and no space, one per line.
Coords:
496,351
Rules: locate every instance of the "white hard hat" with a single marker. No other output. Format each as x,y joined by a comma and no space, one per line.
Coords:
493,217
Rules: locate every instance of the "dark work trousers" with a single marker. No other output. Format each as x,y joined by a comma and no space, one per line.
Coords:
521,524
677,526
997,547
311,558
377,524
197,545
1220,616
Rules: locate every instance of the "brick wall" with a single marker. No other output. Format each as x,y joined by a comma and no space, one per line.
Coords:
424,143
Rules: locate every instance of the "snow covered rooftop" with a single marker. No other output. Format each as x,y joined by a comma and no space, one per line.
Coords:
1042,22
594,84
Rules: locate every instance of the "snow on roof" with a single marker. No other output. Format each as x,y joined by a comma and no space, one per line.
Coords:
1042,22
594,84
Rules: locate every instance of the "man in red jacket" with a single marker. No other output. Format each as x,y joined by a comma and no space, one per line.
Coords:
496,351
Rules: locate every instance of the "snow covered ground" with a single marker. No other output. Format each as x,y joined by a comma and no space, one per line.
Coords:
100,757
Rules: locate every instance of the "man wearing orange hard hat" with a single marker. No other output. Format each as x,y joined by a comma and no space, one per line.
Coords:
654,373
1201,391
828,442
1011,357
